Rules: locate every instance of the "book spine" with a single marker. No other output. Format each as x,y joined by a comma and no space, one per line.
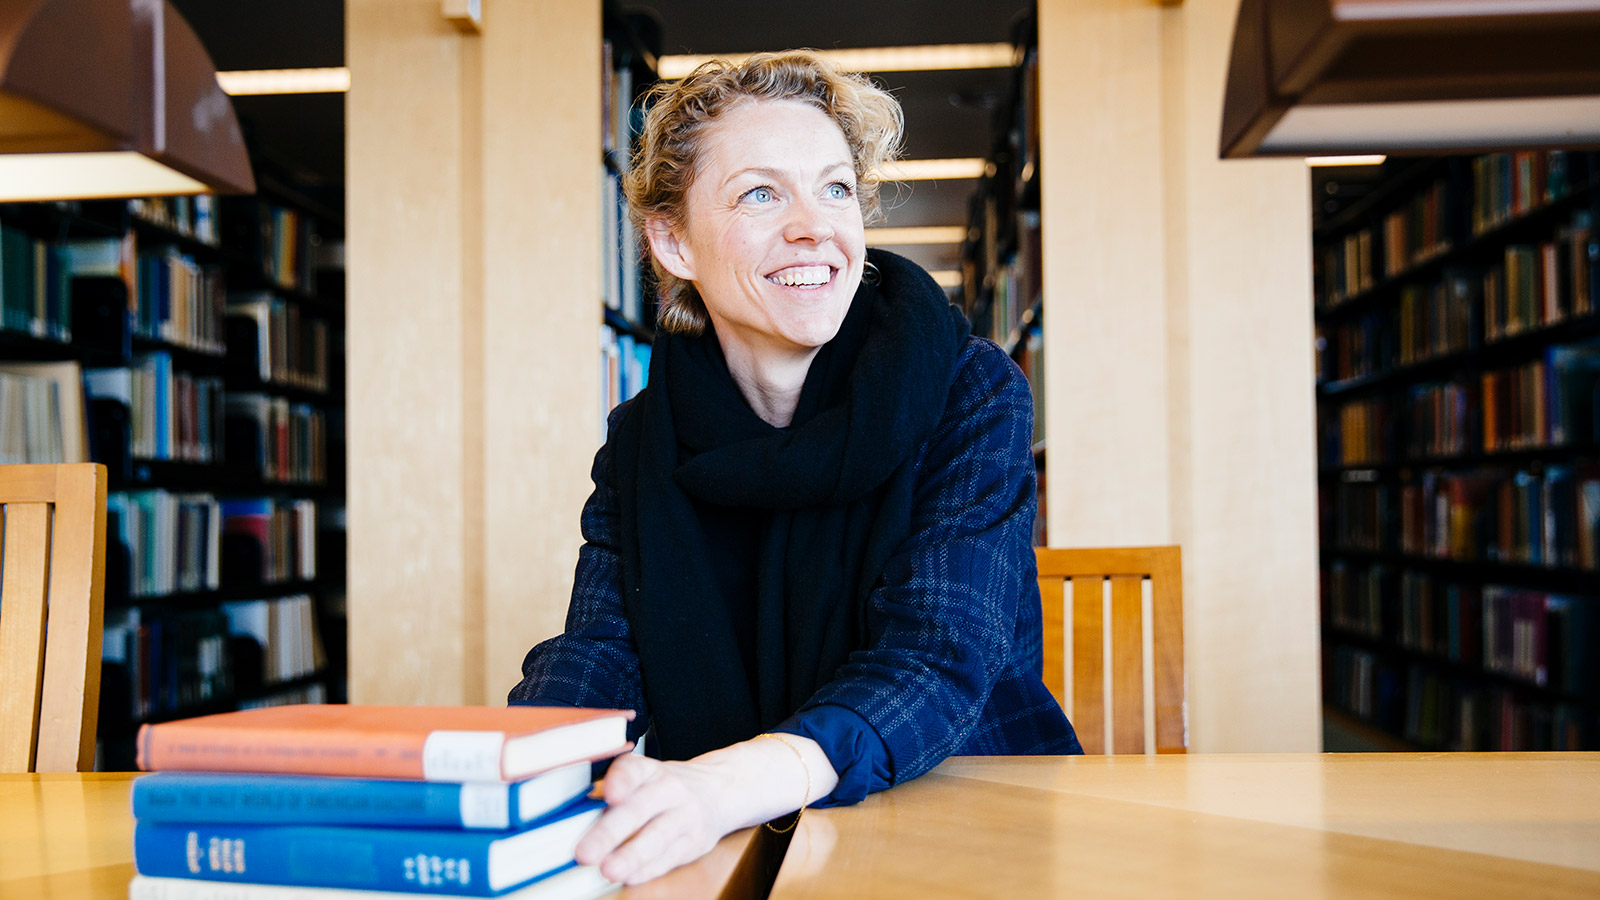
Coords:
180,797
176,747
391,859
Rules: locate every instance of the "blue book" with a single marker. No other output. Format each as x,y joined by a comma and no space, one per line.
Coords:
413,860
194,797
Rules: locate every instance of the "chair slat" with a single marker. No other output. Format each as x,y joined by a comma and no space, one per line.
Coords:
1127,664
1088,663
1166,612
22,631
1052,594
69,707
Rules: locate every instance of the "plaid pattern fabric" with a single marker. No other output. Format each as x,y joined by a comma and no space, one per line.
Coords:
954,654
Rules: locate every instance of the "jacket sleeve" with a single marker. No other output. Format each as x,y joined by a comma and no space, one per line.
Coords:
594,662
942,620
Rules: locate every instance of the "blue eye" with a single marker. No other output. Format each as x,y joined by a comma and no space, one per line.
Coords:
838,191
760,194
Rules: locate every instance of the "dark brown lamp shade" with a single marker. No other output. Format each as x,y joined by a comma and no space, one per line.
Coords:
1324,77
111,98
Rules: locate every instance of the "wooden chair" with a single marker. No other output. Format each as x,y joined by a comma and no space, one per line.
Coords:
1121,679
52,588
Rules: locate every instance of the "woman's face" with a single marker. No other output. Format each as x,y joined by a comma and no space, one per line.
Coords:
773,240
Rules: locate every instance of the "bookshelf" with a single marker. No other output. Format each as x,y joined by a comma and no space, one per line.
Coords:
1001,269
629,48
202,339
1458,403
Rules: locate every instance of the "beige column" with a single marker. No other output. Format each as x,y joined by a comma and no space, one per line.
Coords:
472,249
1178,352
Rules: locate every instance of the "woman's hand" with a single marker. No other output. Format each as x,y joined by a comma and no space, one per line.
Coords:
662,815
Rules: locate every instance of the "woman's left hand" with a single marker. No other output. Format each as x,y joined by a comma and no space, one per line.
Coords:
662,815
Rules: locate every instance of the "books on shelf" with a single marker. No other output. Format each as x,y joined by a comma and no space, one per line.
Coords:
35,289
267,541
454,743
171,661
287,347
285,629
172,540
172,415
196,797
178,300
42,417
624,367
275,439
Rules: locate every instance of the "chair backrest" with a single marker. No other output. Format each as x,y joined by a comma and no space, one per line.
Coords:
1116,657
52,591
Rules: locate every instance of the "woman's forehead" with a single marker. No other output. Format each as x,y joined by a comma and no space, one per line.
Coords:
773,134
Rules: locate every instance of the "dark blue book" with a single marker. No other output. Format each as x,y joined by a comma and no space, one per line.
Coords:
413,860
195,797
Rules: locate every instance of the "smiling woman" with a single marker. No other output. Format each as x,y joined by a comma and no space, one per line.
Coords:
807,558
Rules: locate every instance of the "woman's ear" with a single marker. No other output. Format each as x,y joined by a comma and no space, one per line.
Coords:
668,249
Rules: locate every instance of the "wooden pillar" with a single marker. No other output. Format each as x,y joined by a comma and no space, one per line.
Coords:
1178,352
473,291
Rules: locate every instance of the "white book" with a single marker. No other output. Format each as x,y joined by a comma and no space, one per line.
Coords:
577,883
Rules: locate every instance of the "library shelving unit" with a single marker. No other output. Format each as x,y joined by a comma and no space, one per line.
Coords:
1458,404
1001,264
195,347
629,49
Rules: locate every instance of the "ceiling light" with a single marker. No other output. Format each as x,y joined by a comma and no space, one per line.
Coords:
1313,77
111,98
248,82
947,278
933,169
922,58
1368,160
923,234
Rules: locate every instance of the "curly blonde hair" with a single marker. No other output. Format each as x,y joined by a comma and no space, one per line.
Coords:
657,185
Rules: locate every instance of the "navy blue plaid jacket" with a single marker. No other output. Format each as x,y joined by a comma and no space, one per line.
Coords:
955,668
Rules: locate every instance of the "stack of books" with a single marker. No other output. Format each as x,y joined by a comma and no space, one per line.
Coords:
370,802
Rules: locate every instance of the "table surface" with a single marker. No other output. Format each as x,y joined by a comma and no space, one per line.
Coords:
1239,826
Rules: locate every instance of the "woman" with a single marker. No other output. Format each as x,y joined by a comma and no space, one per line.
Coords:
807,560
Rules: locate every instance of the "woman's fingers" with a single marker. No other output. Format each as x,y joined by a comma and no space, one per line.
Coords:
643,793
667,841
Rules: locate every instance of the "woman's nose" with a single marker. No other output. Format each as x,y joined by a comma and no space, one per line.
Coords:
808,221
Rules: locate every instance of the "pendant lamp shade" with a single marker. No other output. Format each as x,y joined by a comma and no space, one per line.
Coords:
111,98
1324,77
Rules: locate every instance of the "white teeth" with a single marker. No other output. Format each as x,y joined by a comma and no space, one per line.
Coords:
801,275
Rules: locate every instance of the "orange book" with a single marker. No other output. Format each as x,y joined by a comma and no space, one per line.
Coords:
432,743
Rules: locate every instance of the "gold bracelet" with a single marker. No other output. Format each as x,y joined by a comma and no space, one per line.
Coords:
803,800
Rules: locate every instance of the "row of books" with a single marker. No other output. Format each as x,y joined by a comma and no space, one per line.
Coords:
286,241
1539,285
272,342
271,540
178,300
177,660
1548,517
1029,355
1413,234
1017,282
1533,636
193,217
1441,710
34,426
172,541
617,114
344,802
172,415
35,286
1506,186
624,368
620,248
285,629
285,442
1553,401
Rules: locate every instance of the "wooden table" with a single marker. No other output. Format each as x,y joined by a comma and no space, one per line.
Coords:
1282,825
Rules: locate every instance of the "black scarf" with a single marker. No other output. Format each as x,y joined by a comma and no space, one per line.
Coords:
831,494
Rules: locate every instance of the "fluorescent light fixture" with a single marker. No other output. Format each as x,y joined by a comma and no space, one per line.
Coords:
921,58
1323,77
30,177
933,169
947,278
285,81
924,234
1369,160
